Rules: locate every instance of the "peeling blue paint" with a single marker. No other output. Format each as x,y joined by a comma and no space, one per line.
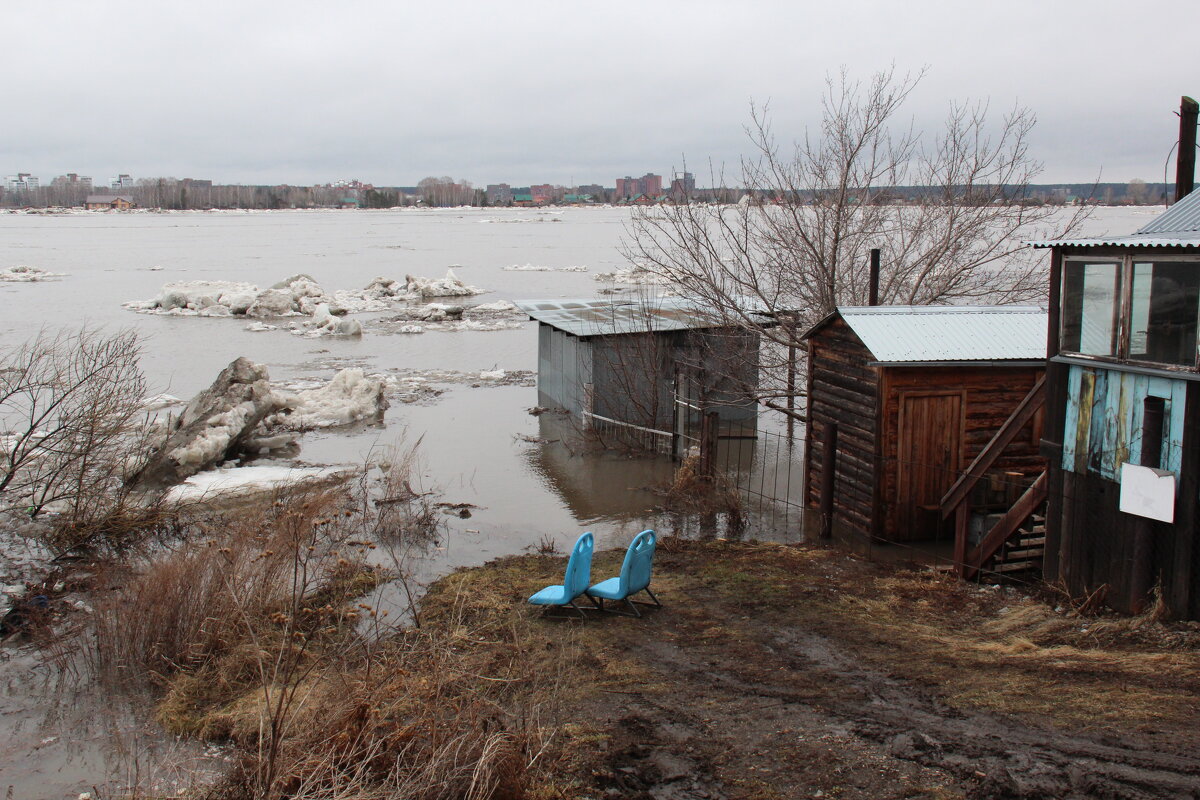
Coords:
1103,426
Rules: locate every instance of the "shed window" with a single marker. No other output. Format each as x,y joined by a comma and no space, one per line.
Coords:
1164,306
1090,307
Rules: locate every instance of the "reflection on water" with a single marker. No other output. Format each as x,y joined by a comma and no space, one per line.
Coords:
59,738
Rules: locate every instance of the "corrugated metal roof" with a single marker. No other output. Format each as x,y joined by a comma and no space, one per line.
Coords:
1178,226
1183,217
899,334
1185,239
593,317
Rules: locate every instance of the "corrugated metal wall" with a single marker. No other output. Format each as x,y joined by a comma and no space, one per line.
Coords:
564,370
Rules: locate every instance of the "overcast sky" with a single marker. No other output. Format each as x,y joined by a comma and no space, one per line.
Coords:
559,91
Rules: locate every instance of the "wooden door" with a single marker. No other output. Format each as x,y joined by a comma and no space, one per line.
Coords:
929,447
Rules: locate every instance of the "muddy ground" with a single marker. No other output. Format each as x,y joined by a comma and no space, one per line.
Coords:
791,672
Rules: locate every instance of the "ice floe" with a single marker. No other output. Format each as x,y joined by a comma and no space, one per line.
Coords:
299,295
350,397
541,268
26,274
449,286
633,276
424,386
499,315
324,323
251,480
160,401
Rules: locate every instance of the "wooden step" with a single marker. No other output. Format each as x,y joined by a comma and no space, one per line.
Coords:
1015,566
1029,541
1023,553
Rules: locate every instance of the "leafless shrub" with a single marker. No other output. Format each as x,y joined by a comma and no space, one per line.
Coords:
72,424
949,209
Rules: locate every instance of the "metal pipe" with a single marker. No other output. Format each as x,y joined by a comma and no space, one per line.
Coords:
1185,161
873,296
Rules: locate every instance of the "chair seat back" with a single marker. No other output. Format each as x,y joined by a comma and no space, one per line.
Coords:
638,564
579,566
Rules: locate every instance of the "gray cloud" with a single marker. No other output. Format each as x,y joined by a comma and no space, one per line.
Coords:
555,91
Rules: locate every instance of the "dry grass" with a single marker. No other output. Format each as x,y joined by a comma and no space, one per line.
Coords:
694,492
251,633
1016,655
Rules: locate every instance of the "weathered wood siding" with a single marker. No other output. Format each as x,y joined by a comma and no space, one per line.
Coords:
1103,425
843,389
990,394
1091,541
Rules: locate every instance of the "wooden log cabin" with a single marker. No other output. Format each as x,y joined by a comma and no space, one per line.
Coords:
916,393
1123,414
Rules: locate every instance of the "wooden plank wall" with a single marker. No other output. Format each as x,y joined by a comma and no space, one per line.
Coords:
843,389
991,395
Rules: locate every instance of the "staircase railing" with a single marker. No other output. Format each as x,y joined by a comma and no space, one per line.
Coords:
956,500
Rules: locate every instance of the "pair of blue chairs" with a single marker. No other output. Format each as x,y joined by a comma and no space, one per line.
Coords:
634,578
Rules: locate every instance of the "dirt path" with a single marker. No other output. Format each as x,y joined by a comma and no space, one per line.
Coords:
777,673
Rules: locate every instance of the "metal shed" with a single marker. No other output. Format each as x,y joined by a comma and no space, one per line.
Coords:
628,361
911,395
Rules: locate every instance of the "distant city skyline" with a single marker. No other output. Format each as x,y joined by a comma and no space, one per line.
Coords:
540,92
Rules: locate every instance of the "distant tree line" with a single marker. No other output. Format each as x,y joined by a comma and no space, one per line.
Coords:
179,194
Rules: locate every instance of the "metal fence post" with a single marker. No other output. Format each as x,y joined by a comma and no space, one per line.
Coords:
708,443
828,473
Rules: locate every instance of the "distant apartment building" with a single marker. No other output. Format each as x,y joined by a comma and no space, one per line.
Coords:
72,181
544,193
499,194
648,184
683,185
20,182
122,181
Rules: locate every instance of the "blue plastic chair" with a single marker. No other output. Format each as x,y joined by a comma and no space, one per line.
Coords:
634,577
575,581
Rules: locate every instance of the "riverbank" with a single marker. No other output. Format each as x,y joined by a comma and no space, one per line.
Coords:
771,672
782,671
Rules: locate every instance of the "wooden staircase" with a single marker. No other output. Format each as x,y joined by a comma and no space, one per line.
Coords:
1021,554
1016,542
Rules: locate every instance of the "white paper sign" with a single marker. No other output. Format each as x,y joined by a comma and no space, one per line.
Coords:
1148,492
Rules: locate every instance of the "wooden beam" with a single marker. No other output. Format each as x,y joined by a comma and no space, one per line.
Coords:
987,457
1006,527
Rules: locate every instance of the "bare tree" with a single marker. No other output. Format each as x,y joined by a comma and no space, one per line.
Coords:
69,403
949,211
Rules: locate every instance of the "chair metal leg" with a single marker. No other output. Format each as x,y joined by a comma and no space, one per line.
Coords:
652,597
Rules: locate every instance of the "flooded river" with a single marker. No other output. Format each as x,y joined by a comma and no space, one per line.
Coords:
479,444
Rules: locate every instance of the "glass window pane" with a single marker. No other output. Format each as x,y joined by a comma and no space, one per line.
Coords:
1090,302
1164,312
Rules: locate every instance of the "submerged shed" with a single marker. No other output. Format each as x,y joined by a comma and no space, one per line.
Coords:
915,393
628,361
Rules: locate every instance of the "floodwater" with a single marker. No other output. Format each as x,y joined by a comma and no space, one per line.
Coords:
472,446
